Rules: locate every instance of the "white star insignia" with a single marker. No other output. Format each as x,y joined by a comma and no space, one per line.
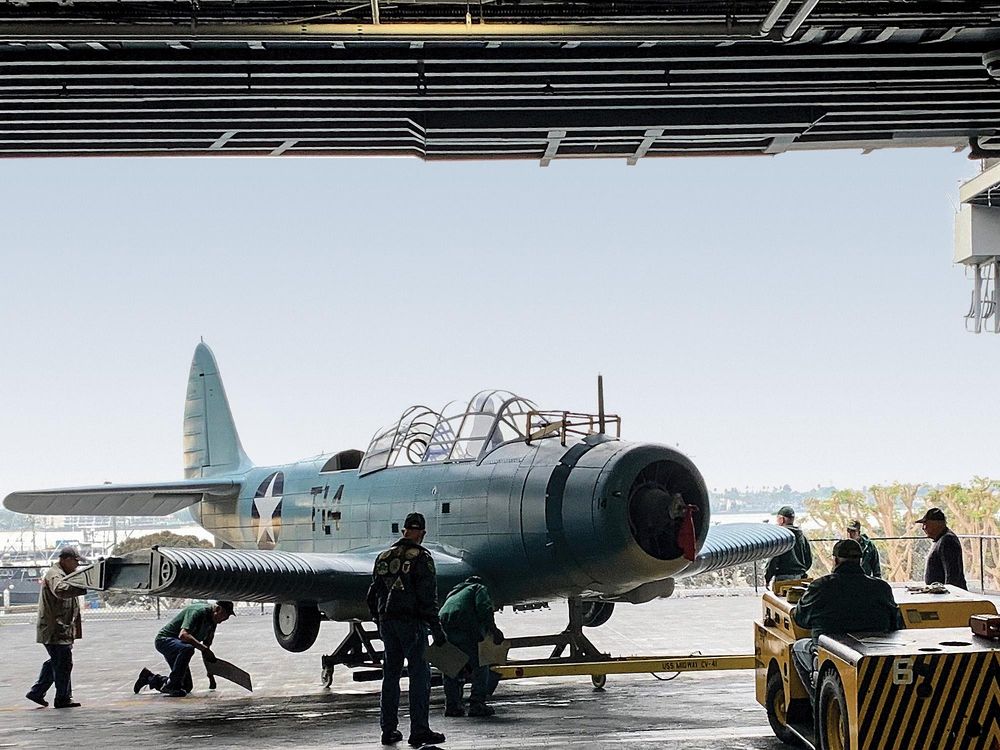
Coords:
266,506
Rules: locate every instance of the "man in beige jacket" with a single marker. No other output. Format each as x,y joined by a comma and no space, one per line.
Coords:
58,626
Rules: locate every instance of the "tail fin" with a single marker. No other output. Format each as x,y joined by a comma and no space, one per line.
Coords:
211,444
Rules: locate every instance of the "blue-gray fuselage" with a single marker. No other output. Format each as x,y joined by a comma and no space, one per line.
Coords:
538,521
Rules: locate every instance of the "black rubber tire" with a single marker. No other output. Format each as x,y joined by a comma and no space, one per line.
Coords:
777,715
596,614
833,731
296,625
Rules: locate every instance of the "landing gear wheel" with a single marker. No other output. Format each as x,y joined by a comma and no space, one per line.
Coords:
777,715
327,677
296,625
832,727
595,614
598,681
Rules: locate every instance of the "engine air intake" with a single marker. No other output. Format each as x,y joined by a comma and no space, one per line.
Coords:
657,504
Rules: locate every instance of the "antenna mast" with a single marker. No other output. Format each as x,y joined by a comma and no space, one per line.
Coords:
600,403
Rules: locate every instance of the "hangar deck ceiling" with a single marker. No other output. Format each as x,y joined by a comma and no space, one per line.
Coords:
496,79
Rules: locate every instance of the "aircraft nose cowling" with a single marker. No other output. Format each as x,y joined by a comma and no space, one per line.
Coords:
645,515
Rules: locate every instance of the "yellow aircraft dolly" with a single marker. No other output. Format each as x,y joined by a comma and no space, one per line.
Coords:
598,670
934,685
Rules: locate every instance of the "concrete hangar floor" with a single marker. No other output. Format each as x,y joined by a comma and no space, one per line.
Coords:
289,709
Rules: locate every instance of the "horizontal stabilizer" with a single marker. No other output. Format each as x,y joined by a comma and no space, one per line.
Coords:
248,575
731,544
158,499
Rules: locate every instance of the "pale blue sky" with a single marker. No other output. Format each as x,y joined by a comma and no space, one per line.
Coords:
788,320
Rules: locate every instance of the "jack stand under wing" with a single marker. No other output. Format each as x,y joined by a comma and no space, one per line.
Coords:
580,647
356,650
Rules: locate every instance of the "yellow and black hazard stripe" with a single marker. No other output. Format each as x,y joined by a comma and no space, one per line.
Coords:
930,701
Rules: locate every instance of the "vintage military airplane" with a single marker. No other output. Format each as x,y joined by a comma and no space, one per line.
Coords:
542,505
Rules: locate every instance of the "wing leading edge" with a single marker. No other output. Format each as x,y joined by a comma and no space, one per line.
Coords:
156,499
737,544
252,575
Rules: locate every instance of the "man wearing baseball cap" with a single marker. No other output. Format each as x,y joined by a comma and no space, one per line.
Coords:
870,562
794,564
845,601
944,561
403,601
192,629
58,626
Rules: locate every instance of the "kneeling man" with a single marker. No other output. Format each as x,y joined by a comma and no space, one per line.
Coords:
191,629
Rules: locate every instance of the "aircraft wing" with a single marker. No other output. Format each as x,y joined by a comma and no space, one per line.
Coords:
731,544
249,575
158,499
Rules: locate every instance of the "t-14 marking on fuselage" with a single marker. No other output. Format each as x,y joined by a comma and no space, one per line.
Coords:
327,515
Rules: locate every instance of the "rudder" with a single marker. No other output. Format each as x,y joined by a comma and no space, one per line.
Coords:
211,443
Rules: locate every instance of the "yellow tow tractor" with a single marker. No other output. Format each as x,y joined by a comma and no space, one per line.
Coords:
934,685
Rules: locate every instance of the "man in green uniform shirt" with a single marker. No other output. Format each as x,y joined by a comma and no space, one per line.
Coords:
467,617
191,629
794,564
870,562
845,601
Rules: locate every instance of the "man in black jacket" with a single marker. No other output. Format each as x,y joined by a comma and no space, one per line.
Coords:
944,561
845,601
402,599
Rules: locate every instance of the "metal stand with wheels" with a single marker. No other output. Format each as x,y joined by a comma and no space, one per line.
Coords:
572,638
356,650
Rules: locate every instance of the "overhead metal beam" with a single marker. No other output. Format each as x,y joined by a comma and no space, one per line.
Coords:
153,32
884,36
620,100
648,140
223,139
769,22
798,19
284,147
555,138
780,143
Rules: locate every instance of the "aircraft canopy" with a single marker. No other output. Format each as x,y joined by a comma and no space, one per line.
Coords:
459,432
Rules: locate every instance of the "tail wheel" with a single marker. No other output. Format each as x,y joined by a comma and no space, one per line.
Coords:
596,614
833,725
777,714
296,625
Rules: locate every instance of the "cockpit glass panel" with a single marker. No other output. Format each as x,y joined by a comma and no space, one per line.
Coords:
462,431
403,443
